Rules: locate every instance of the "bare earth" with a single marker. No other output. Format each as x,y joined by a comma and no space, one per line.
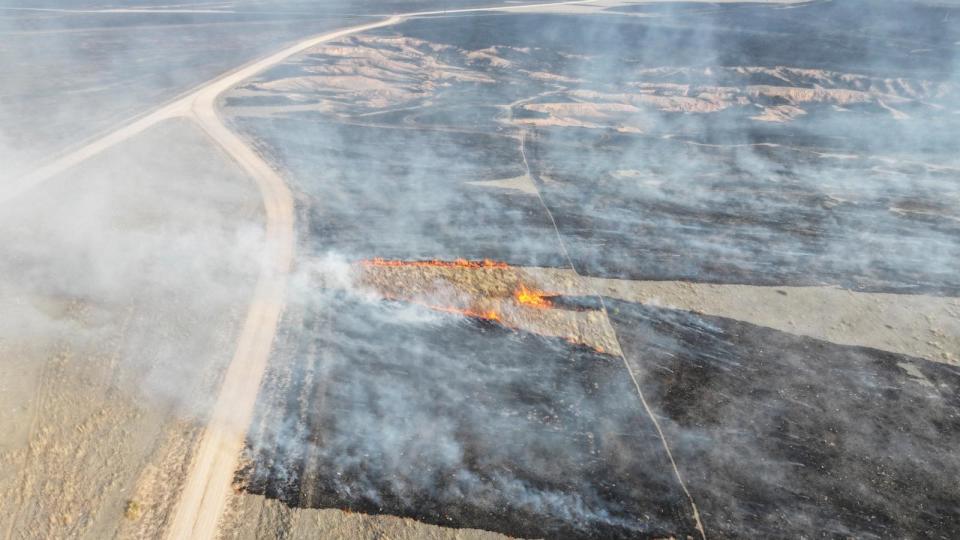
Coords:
106,380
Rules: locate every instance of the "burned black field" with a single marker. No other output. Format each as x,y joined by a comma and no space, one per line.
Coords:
460,423
414,208
716,197
713,220
706,145
799,434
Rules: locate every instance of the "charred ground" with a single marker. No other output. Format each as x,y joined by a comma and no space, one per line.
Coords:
707,145
799,434
460,423
639,187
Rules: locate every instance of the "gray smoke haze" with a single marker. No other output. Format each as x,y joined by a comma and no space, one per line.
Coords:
163,219
152,240
717,144
392,408
75,69
758,126
803,144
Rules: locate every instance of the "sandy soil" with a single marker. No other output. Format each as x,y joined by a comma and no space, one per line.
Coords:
115,342
916,325
273,516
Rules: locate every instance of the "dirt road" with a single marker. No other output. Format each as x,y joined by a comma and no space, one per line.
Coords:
215,461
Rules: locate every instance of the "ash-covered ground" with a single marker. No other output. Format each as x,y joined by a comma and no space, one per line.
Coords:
679,147
455,422
804,152
604,269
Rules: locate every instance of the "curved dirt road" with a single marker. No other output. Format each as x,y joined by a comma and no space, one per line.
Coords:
216,459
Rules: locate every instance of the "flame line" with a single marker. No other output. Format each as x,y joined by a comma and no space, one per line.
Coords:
532,298
457,263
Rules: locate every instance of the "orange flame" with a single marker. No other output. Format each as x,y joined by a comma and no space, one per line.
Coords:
458,263
532,298
491,315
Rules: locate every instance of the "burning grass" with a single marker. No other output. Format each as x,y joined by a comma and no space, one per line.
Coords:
457,263
490,291
533,298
